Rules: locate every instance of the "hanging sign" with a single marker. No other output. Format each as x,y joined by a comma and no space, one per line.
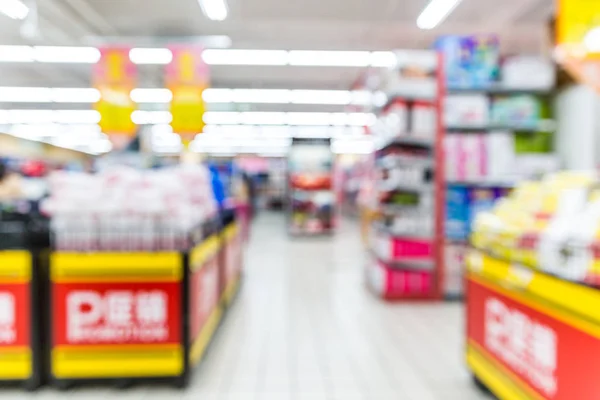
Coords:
578,39
187,76
115,77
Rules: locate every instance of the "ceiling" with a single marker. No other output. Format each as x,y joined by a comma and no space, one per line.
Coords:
266,24
367,25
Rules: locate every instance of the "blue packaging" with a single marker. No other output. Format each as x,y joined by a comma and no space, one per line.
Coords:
480,200
470,61
457,213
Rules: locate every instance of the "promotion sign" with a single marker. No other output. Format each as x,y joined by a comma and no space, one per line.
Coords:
527,349
14,315
116,314
115,77
16,362
187,76
204,307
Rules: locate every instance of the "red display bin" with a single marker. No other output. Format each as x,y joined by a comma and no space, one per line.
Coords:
135,316
232,261
20,357
531,335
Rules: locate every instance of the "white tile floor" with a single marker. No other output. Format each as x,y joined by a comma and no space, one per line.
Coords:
304,327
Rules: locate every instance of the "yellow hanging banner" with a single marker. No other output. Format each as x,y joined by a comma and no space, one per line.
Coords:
115,77
578,39
187,76
578,27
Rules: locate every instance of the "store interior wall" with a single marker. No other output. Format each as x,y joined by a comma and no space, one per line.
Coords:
577,110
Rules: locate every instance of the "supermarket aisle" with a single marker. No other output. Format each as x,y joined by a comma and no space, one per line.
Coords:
304,327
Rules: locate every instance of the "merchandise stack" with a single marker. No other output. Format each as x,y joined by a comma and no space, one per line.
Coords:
312,199
141,268
405,236
532,281
499,131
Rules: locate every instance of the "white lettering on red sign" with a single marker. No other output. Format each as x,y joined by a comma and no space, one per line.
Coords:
117,316
527,346
8,333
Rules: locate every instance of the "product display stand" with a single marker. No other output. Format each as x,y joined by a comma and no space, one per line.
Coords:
312,200
406,238
530,334
124,317
20,327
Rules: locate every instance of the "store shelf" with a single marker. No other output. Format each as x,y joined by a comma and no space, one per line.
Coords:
406,141
492,128
500,90
483,184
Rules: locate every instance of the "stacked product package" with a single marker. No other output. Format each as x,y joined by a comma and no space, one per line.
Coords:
552,225
124,209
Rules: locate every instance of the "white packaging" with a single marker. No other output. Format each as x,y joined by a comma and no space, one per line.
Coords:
423,120
466,110
500,155
451,156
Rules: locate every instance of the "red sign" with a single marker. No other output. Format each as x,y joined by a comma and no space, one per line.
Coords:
116,313
14,315
204,295
554,359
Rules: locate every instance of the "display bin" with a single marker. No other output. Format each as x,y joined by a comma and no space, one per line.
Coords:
231,259
531,335
20,351
125,317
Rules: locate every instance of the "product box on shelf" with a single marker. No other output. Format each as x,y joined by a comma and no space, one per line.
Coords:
467,110
393,283
454,261
457,213
518,111
470,61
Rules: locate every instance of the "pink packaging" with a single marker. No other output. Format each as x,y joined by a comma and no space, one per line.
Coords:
472,158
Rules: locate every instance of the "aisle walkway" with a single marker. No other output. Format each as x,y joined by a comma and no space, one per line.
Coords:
305,327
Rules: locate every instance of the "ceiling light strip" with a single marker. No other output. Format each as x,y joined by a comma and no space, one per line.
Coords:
211,95
162,56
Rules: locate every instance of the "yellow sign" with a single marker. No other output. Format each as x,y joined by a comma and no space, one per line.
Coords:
187,76
578,27
114,77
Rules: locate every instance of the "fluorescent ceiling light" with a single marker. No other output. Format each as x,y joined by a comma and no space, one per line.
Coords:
162,56
157,56
16,54
75,95
436,12
341,97
384,59
25,95
211,95
63,54
215,10
151,95
151,117
245,57
273,96
330,58
221,118
14,9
